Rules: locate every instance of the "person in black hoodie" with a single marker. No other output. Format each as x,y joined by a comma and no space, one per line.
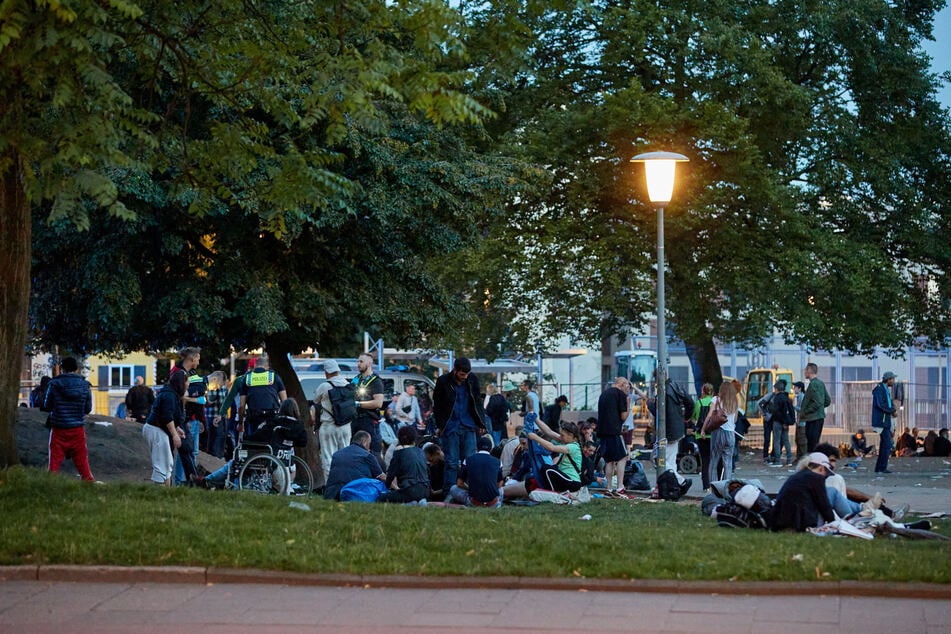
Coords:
162,430
68,399
803,500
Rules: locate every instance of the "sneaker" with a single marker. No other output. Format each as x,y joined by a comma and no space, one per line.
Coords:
920,525
883,471
775,464
899,513
685,487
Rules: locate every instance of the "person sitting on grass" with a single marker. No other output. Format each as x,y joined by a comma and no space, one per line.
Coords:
436,462
802,502
352,463
590,468
407,470
565,474
480,478
851,500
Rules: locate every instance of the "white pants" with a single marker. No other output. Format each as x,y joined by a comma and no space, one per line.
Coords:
332,439
671,458
161,451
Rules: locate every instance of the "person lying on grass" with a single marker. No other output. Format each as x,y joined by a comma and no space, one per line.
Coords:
565,474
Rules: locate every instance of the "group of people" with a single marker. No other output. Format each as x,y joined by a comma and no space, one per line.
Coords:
470,459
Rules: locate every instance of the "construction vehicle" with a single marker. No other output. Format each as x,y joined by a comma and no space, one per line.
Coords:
758,384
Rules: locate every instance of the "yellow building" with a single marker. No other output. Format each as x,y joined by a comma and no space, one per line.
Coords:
111,378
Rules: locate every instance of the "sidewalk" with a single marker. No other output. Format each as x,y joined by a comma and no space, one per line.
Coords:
924,483
54,607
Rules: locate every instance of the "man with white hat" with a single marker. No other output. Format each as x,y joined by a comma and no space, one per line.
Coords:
883,409
334,435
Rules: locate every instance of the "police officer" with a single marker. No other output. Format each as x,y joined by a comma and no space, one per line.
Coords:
368,389
262,393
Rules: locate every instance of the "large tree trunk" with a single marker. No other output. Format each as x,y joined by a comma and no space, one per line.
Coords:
15,234
704,362
277,357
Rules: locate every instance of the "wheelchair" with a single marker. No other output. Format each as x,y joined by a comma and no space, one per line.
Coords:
270,468
688,455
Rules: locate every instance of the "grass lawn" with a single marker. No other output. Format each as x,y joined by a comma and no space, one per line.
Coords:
55,520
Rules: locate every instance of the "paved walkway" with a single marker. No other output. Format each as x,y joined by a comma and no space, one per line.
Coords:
923,483
55,607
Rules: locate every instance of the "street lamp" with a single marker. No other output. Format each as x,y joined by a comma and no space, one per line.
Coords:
660,167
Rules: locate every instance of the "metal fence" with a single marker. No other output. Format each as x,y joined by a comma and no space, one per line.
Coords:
925,406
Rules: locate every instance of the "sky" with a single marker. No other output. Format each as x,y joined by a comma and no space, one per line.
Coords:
940,51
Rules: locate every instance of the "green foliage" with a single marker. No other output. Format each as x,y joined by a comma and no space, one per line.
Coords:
819,169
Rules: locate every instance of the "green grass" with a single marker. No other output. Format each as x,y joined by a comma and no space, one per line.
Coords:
55,520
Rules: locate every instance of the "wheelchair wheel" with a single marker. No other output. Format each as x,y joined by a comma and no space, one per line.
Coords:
263,473
303,478
689,464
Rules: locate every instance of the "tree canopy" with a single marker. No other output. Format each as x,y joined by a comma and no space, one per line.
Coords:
814,203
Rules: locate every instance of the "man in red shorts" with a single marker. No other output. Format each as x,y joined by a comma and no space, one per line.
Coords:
68,400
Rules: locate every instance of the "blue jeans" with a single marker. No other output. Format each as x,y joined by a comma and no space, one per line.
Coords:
722,443
219,477
191,430
885,447
841,504
780,440
767,433
457,445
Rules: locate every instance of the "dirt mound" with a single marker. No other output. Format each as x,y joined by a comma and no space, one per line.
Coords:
117,451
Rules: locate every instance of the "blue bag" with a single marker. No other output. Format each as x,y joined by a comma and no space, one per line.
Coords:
362,490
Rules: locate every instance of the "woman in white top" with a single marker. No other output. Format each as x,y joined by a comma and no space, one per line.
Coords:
722,439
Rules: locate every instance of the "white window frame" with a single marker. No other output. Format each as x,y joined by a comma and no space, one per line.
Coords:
122,370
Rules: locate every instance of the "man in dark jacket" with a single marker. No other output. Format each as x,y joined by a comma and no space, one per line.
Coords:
68,400
352,463
138,400
552,415
460,419
813,407
802,500
883,409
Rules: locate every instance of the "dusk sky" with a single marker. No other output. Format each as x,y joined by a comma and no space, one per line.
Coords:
940,51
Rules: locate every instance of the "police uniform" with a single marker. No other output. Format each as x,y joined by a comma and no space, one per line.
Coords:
261,389
368,420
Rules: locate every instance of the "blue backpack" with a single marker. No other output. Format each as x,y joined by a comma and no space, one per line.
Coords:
362,490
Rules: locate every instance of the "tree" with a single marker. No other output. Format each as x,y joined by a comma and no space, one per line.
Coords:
64,122
250,111
787,217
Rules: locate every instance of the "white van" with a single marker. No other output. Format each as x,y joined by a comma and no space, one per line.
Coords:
393,383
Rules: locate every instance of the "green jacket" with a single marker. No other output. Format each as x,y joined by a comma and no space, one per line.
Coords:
814,401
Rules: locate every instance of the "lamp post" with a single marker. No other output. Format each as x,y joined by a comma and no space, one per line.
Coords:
660,167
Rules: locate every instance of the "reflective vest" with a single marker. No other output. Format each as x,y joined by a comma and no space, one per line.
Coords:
259,379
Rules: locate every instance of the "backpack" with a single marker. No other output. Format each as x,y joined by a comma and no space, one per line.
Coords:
343,407
781,410
766,408
732,515
634,477
667,486
702,414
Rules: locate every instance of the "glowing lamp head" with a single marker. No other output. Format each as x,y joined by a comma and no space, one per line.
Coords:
660,167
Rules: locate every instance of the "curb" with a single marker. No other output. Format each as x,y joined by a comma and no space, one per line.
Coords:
198,575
